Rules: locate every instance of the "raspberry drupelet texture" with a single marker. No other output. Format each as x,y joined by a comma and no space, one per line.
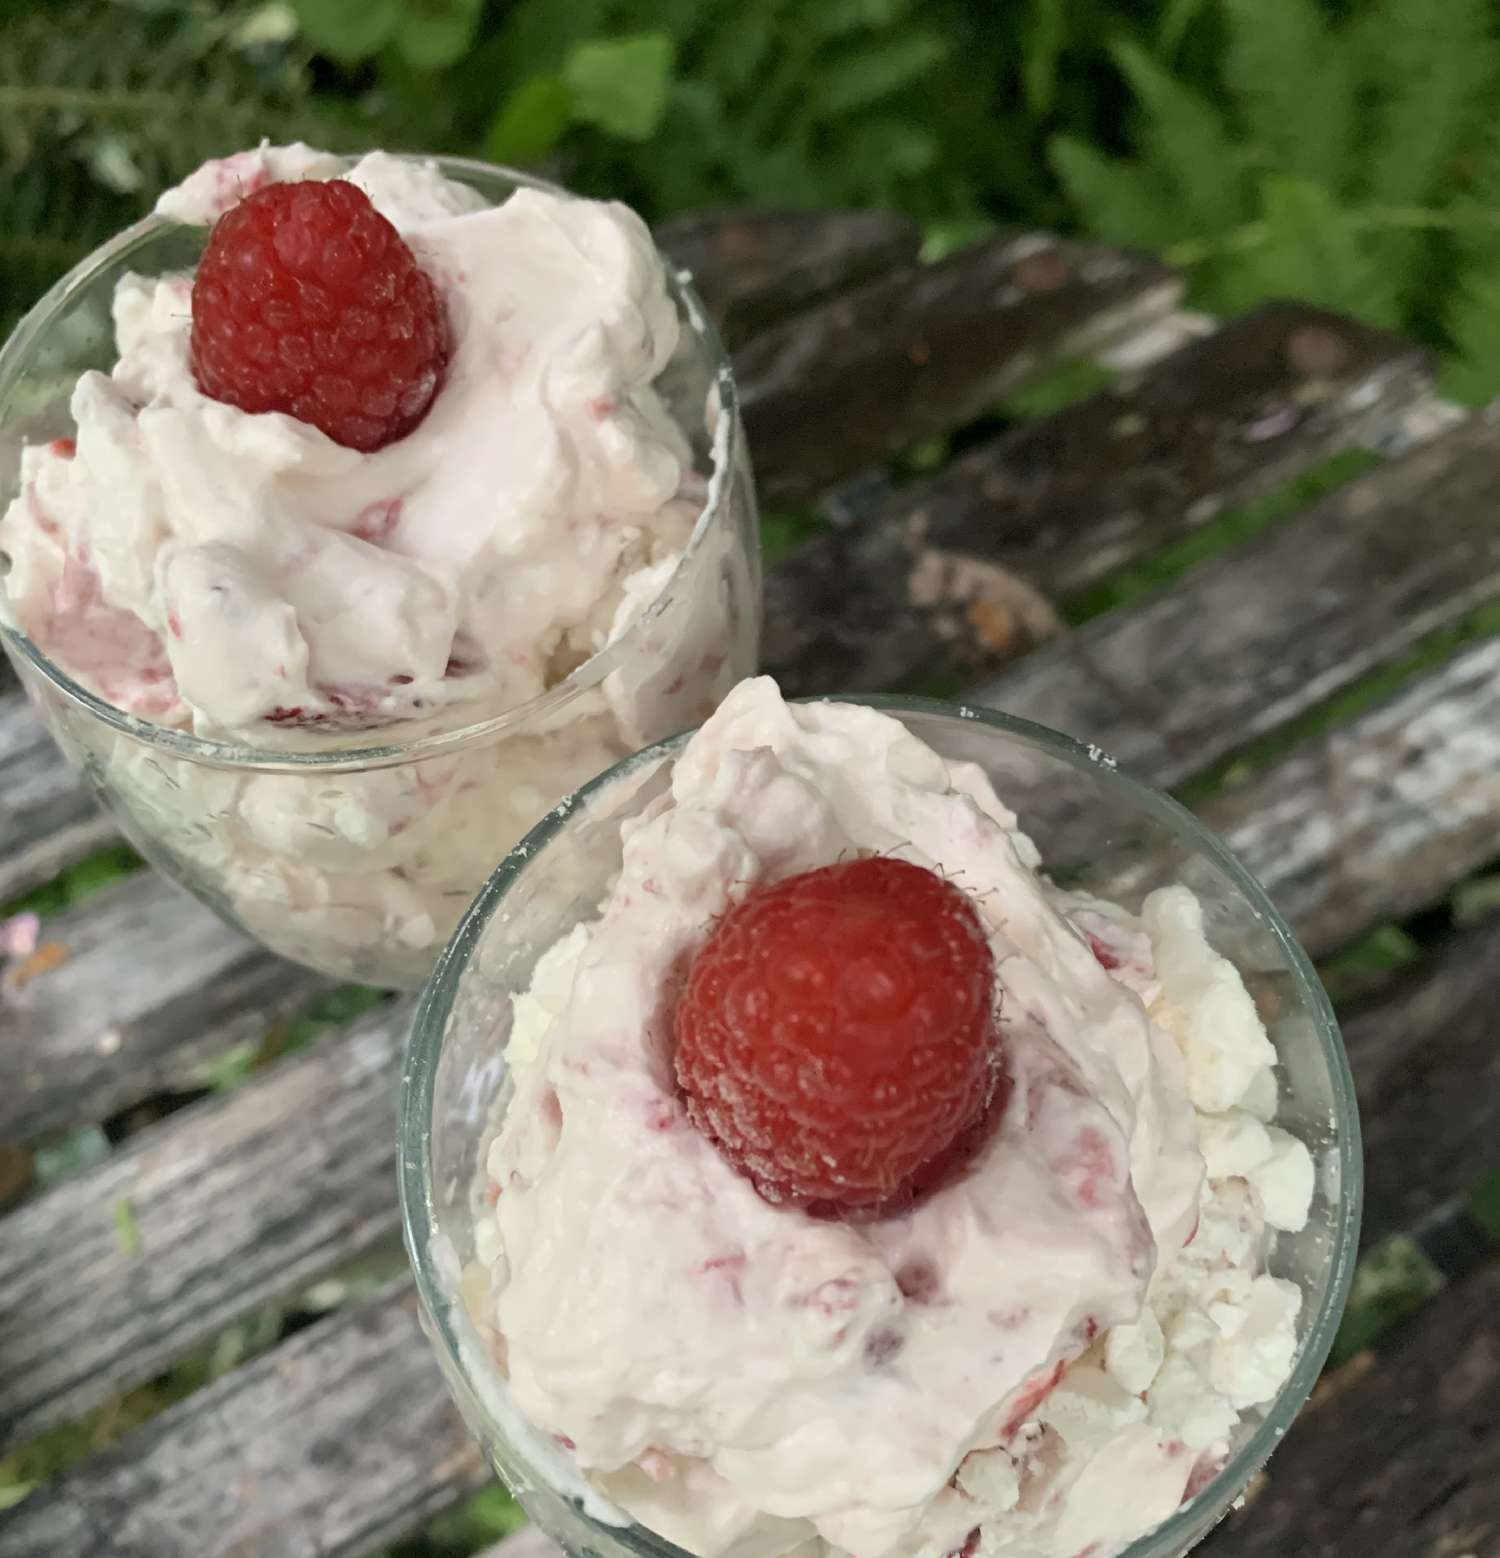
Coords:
308,301
835,1036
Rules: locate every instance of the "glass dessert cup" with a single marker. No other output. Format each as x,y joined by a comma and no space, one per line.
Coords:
1098,831
357,853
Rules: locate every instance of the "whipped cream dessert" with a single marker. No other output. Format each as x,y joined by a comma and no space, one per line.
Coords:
245,578
1045,1354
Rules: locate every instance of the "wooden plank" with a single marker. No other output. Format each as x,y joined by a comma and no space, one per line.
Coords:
1399,1453
135,988
926,348
1376,819
1228,417
1238,647
1404,782
340,1440
236,1201
1427,1068
756,268
48,818
942,577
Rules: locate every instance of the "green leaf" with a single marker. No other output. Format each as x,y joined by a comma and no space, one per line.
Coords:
1187,141
1214,538
1118,201
1315,252
1372,959
436,33
1042,46
834,18
620,85
896,145
922,458
1476,900
1484,1206
1390,1282
78,882
1477,210
1472,322
1176,21
940,239
271,23
60,1157
859,76
348,30
779,174
158,91
1433,67
538,35
1386,948
530,121
344,1003
676,18
736,51
693,145
484,1519
1294,85
338,1006
127,1230
781,534
1064,385
230,1070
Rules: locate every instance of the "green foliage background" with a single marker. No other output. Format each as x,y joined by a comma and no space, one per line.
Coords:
1343,151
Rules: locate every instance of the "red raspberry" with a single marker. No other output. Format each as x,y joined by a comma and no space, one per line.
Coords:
308,301
836,1037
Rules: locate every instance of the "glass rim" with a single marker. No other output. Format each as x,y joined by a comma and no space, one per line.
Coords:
716,506
429,1027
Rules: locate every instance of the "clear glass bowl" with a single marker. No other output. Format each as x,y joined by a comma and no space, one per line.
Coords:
329,853
1097,830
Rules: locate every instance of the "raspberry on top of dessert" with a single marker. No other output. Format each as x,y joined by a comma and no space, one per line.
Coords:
308,301
836,1038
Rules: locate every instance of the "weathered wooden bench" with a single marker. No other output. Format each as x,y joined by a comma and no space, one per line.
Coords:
1243,679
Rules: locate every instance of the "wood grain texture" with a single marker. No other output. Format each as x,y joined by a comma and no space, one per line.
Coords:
921,350
754,269
48,818
142,985
1427,1068
340,1440
1399,1453
1236,648
895,594
1377,818
236,1201
1228,417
